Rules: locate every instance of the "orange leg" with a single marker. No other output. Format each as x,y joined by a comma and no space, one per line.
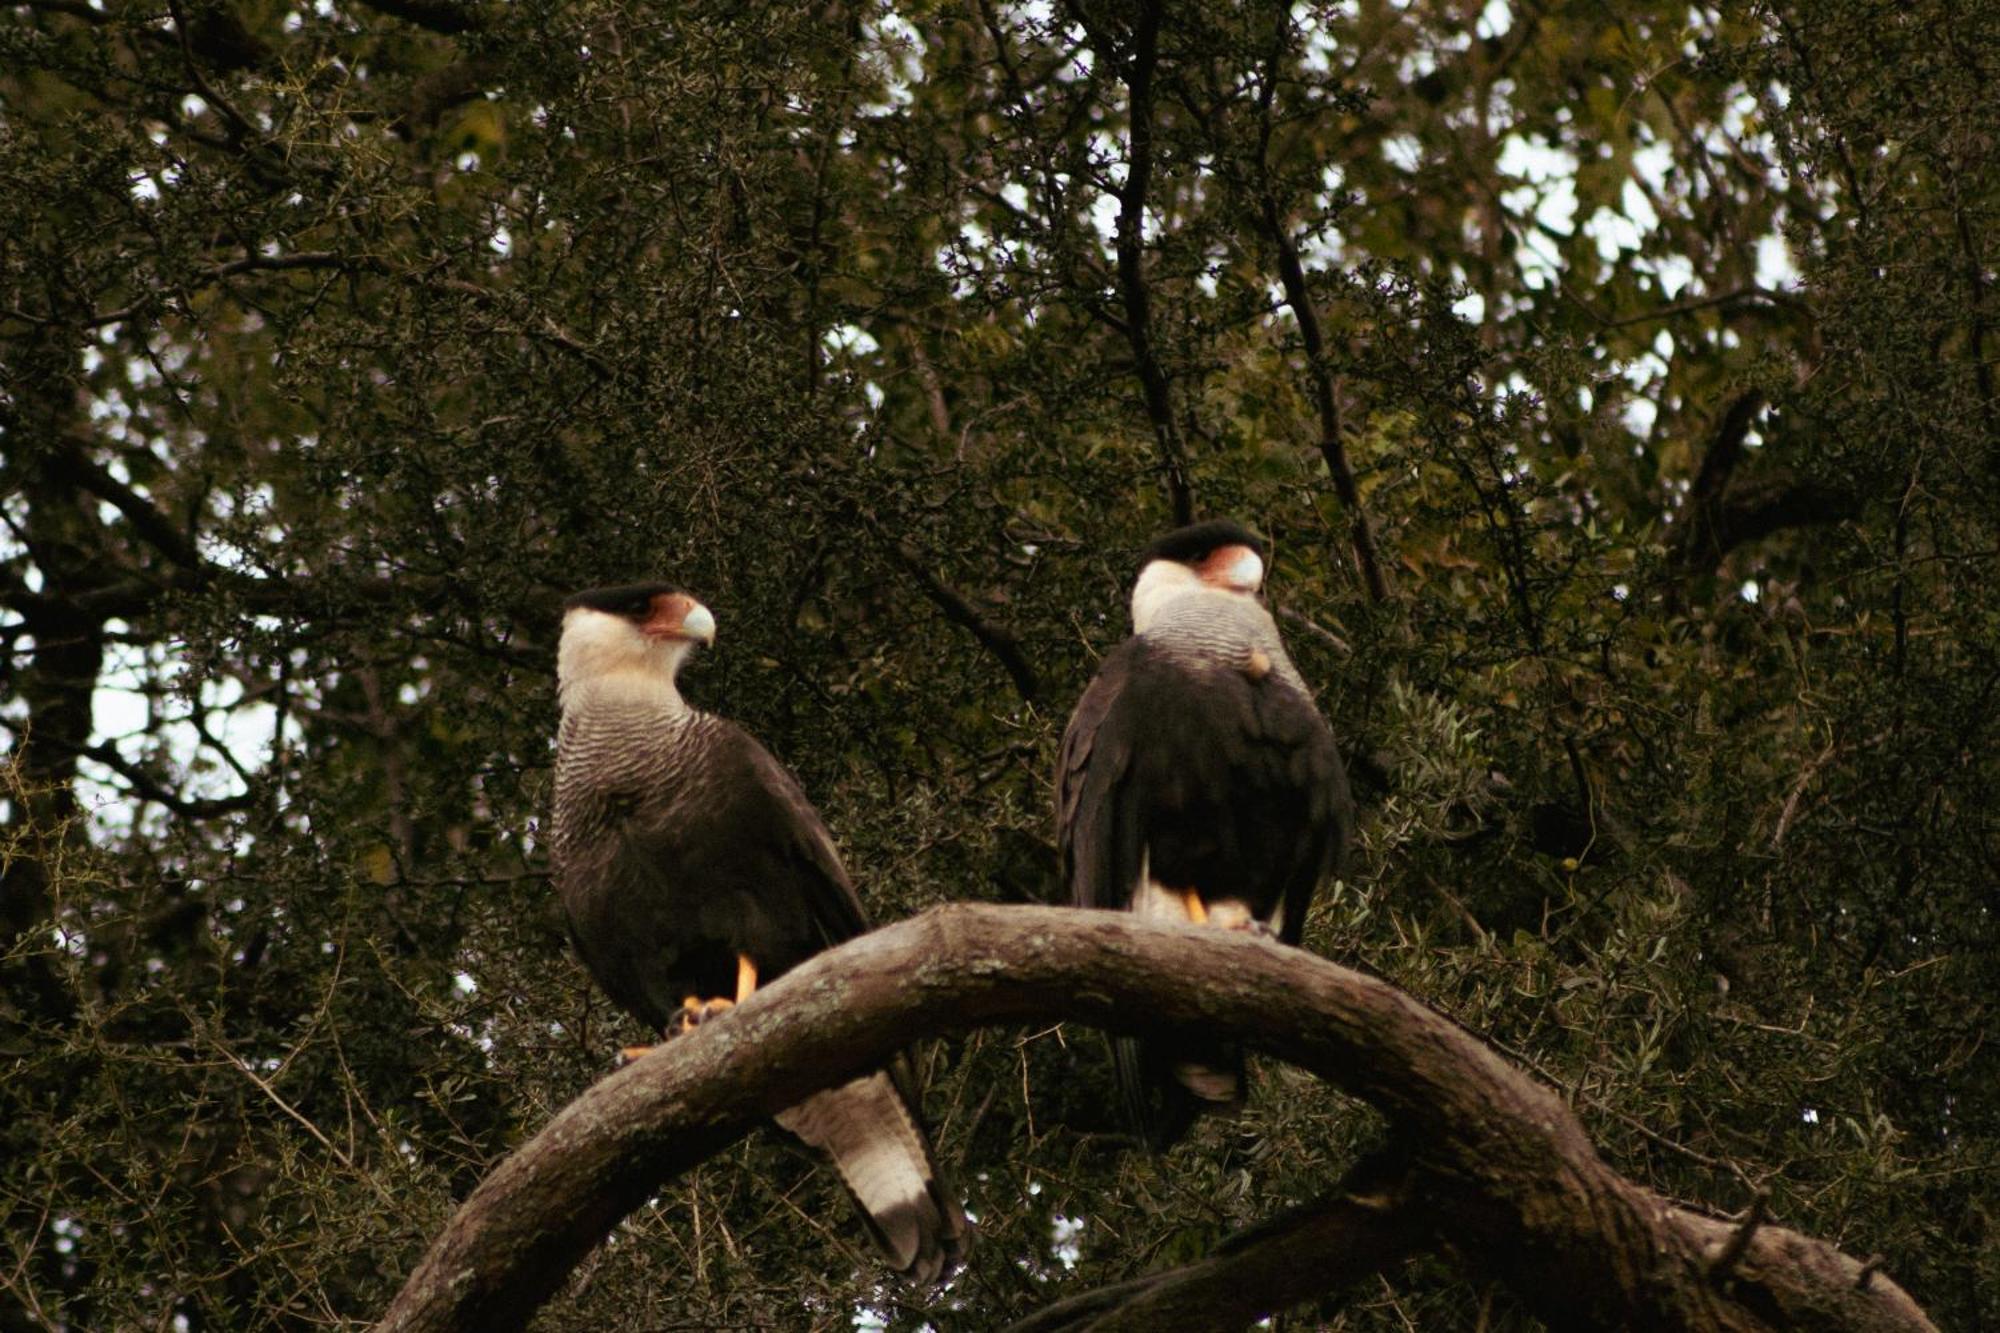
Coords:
1196,911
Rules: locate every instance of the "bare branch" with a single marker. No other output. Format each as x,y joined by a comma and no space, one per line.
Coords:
1298,295
1732,1250
1736,296
1504,1171
1306,622
996,639
1303,1252
1138,65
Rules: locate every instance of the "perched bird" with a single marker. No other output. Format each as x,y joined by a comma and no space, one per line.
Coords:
692,867
1198,783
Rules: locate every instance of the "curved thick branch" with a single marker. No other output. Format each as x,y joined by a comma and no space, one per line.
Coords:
1501,1169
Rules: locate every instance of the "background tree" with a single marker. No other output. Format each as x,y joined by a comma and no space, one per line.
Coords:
1617,383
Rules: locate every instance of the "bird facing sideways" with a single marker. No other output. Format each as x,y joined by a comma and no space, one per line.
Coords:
692,867
1198,783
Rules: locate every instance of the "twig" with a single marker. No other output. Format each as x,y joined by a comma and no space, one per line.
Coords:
1333,641
1733,1249
1697,303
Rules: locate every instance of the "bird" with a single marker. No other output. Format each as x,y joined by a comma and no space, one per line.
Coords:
693,868
1198,783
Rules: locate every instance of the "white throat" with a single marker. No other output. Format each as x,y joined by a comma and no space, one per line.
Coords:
1160,582
603,657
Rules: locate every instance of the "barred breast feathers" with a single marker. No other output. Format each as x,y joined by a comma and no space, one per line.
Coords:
622,740
1209,625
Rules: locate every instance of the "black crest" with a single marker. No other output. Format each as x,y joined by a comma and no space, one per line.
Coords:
628,599
1190,544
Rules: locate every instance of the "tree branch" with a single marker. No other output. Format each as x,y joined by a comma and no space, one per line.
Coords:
996,639
449,17
149,788
1298,295
1506,1174
1138,67
1738,1244
1697,303
1725,450
71,462
1304,1252
1325,399
1774,505
1722,514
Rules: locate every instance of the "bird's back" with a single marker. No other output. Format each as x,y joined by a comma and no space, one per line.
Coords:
1198,754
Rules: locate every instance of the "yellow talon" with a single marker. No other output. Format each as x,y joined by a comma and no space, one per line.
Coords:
746,977
695,1010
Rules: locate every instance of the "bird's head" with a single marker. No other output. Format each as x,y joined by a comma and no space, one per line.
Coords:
1219,555
643,631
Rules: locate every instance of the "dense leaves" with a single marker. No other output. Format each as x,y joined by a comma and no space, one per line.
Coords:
1616,383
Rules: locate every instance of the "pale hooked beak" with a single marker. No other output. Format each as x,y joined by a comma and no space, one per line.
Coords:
699,625
1237,568
679,616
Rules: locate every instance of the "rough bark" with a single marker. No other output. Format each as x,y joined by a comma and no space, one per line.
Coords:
1501,1171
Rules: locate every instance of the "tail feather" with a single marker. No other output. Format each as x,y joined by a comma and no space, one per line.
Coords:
885,1161
1165,1085
1220,1088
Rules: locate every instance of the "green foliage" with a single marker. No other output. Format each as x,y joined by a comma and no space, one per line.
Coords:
338,341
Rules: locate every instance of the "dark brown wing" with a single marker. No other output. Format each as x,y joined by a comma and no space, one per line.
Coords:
1226,784
723,857
1208,779
872,1127
729,858
836,908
